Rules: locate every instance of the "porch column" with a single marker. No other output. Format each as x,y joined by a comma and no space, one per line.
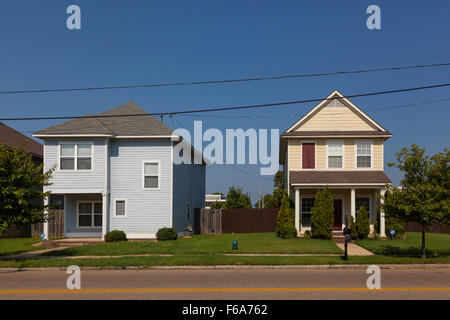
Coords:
104,215
373,211
297,210
352,203
382,226
46,224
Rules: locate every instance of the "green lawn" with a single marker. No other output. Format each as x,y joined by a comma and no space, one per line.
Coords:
436,244
10,246
207,244
212,260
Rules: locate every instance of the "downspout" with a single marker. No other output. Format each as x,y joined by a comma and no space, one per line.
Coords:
105,195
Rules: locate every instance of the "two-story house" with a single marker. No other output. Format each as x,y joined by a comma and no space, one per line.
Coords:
116,171
336,145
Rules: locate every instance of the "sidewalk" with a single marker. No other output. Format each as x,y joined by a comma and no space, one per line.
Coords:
354,250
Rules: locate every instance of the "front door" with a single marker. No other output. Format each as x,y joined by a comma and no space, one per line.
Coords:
337,203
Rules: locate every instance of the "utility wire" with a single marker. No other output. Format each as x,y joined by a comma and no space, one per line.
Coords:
212,109
172,84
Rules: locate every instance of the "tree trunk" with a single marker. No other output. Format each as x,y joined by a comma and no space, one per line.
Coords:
423,242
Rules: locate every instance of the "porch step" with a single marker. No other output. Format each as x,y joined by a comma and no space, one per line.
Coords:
338,238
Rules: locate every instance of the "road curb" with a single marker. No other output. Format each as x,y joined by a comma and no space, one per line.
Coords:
243,267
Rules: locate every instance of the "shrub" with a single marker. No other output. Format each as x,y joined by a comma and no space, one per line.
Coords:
164,234
285,217
288,232
397,224
307,234
115,236
362,223
322,215
353,230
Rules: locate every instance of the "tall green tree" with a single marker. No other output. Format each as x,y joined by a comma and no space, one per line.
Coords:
424,196
237,199
21,188
285,219
322,215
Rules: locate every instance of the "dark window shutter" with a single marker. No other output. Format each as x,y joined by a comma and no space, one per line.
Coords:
308,155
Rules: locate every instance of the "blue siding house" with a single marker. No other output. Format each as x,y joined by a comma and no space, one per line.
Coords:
116,172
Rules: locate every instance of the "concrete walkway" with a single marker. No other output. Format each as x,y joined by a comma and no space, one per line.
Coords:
355,250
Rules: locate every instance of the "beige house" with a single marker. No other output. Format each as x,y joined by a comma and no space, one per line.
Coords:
339,146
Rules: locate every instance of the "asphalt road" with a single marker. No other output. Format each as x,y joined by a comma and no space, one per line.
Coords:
235,284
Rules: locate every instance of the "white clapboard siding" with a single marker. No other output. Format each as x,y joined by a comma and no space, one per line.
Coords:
147,210
92,179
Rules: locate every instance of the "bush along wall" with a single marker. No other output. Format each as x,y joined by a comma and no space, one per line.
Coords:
322,215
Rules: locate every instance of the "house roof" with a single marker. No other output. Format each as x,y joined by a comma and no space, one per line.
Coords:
126,120
335,133
12,137
338,177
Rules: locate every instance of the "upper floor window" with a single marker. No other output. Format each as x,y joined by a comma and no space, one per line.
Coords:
77,156
363,154
151,175
308,155
335,154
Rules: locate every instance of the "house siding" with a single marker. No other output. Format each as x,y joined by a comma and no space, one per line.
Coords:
335,116
61,180
188,186
147,209
294,159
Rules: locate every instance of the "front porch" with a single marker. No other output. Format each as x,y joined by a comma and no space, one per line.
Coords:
84,214
347,199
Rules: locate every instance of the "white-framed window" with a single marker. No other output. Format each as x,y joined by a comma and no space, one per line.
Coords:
363,154
335,154
89,214
307,204
120,208
75,156
151,175
362,201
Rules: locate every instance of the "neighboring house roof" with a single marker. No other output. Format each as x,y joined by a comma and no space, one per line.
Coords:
336,177
12,137
126,120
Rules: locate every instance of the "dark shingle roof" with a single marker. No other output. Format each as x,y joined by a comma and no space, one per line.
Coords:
126,120
329,177
12,137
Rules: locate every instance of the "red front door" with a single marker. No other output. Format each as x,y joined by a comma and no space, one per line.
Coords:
337,203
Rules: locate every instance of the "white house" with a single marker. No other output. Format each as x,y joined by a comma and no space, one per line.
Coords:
116,172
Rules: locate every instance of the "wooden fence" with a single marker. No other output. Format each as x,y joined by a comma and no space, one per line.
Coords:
415,227
217,221
55,228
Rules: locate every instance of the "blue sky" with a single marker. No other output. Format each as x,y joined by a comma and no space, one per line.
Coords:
131,42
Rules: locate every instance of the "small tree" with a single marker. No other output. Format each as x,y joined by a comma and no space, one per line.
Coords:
237,199
217,205
322,215
285,219
353,229
425,195
22,182
362,223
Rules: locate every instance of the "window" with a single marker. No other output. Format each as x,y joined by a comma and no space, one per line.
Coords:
335,155
89,214
120,209
363,154
75,156
307,204
362,202
151,175
308,155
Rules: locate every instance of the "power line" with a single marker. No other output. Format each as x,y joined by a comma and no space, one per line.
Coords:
209,82
212,109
